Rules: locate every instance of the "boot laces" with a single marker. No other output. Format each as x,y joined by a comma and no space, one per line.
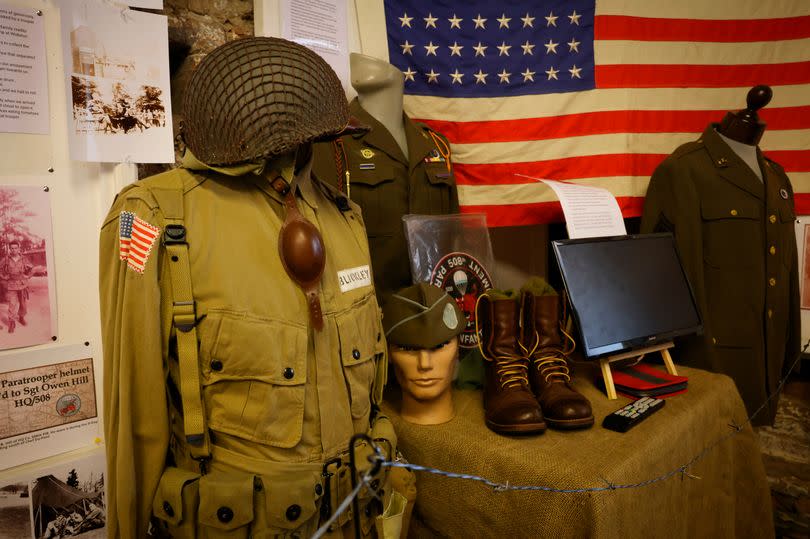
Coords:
551,361
512,370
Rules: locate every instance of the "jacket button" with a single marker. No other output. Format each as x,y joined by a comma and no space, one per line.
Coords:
772,281
714,341
216,365
167,508
356,353
293,512
722,161
733,212
318,489
289,373
772,218
368,510
770,313
772,250
225,514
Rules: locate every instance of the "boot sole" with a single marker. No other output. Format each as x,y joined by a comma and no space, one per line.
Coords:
530,428
570,424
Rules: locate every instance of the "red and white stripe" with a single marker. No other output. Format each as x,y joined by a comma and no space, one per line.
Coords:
665,70
140,247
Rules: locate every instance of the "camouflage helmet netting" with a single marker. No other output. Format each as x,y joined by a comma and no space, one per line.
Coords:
260,97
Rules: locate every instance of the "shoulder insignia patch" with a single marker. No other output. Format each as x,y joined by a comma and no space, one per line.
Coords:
136,238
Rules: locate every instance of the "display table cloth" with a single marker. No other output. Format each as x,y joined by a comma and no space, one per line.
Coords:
728,496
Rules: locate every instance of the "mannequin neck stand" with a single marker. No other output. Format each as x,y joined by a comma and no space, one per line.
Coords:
380,87
744,126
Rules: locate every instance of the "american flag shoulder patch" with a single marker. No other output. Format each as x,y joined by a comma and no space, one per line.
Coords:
136,239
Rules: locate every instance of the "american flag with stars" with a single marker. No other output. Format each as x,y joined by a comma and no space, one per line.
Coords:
595,92
136,239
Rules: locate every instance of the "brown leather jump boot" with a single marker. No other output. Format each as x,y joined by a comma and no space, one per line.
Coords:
509,404
542,341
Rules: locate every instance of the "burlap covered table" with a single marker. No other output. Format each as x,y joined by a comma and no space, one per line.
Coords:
728,496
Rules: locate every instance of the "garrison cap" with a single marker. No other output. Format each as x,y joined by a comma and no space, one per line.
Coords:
422,316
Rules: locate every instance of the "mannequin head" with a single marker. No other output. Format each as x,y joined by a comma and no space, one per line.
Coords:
370,74
426,377
422,324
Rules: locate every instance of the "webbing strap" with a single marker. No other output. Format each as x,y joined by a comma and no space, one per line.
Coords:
184,319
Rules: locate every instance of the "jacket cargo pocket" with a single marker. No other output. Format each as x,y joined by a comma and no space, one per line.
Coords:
254,374
226,506
730,232
176,501
361,345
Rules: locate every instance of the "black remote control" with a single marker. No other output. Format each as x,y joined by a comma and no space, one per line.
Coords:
629,416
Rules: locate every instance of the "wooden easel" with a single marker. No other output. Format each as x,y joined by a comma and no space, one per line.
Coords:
605,362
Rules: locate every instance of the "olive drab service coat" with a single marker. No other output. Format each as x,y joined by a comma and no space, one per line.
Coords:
387,184
735,235
279,397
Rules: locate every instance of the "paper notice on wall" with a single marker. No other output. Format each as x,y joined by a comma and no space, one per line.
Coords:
47,403
117,83
148,4
589,211
320,25
23,75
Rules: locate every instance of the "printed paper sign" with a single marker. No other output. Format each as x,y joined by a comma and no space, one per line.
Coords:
47,406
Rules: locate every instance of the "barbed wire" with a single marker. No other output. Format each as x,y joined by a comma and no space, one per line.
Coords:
378,459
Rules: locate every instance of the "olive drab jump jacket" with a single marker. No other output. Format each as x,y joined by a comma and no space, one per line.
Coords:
279,398
387,184
735,235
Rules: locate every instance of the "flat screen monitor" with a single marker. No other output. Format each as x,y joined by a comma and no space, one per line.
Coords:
626,292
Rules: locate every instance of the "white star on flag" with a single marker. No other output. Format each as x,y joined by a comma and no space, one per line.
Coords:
528,75
406,48
434,77
406,21
431,49
551,20
504,76
573,45
504,21
456,76
528,21
455,22
504,48
551,47
552,73
479,49
574,18
430,20
575,72
527,48
479,22
480,77
455,49
409,74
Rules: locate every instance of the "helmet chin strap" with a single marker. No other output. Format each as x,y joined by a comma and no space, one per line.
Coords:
300,244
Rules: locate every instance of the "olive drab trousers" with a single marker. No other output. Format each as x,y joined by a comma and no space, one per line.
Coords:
275,400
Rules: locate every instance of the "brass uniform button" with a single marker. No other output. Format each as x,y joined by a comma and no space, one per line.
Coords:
733,212
770,313
714,341
772,250
772,218
772,281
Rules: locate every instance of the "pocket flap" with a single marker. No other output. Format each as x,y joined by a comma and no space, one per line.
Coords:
175,487
729,209
360,334
361,172
292,499
255,349
226,502
438,173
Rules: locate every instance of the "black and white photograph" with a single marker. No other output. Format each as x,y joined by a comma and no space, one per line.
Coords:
68,501
27,307
15,510
117,76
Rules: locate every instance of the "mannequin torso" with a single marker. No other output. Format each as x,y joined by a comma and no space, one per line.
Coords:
746,152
